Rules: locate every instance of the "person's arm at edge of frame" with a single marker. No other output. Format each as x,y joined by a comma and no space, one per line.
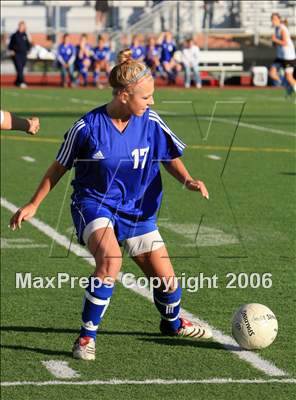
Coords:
178,170
50,179
14,123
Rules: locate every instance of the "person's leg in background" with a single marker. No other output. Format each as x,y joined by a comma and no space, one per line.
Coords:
196,76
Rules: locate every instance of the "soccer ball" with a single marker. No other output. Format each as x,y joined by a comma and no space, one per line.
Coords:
254,326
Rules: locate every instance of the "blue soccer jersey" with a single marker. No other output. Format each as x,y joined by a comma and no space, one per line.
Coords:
120,170
137,52
100,54
168,49
66,54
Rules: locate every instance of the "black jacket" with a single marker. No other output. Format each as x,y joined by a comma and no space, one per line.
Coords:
19,43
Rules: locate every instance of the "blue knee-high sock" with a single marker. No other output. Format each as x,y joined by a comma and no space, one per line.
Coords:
84,74
168,304
96,76
96,301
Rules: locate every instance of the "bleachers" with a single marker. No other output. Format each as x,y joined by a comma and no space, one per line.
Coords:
255,15
139,15
81,19
10,16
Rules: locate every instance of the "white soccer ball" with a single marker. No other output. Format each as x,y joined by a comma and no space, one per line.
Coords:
254,326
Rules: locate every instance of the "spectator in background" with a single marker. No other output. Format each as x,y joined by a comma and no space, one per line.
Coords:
102,9
83,58
10,122
208,16
66,59
20,45
138,51
190,60
161,14
152,56
170,65
101,58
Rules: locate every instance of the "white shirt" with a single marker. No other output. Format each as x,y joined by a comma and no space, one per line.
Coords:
284,52
190,56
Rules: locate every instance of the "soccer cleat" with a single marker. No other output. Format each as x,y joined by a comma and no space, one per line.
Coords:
84,348
195,330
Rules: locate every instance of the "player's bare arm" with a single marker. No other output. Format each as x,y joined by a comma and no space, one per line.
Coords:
50,179
178,170
15,123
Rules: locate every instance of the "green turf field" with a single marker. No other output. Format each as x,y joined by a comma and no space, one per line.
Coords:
248,226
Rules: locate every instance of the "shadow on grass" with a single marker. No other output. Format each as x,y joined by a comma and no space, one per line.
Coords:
151,337
37,350
171,341
38,329
288,173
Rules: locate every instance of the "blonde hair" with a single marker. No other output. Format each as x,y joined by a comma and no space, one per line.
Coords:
127,71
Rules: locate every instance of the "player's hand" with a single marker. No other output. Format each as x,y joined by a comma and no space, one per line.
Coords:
196,185
273,38
22,214
33,125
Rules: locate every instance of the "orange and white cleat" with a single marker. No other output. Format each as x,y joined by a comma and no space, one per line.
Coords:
84,348
197,331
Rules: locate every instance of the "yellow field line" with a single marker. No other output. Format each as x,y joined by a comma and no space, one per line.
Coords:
245,149
190,147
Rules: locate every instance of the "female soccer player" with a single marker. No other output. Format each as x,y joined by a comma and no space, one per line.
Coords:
83,58
101,58
66,59
116,150
285,53
170,65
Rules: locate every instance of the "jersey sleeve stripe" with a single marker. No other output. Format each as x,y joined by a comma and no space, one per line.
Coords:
178,142
68,143
153,113
157,118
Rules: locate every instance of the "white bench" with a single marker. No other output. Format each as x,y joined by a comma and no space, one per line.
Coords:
225,62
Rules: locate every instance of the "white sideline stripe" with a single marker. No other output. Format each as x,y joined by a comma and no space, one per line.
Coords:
233,122
227,342
28,159
251,126
70,99
60,369
215,381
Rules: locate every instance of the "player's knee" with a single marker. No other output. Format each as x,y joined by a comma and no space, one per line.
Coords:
108,266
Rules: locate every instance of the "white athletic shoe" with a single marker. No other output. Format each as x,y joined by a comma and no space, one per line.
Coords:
194,330
84,348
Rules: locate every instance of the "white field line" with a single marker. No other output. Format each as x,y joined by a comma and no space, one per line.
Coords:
250,126
215,381
28,159
274,98
60,369
226,341
20,243
48,96
233,122
206,236
213,157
